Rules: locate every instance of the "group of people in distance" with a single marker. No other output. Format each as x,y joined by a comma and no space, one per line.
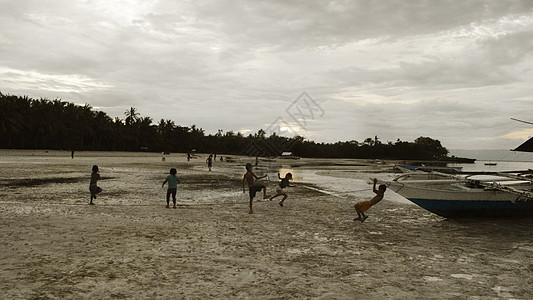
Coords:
253,187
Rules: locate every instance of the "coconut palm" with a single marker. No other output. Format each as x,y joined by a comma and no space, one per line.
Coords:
132,116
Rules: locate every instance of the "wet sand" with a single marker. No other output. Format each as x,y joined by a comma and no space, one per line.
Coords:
129,246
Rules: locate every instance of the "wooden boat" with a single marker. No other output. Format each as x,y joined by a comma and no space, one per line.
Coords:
467,195
470,195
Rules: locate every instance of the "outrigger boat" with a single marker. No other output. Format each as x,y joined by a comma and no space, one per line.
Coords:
470,195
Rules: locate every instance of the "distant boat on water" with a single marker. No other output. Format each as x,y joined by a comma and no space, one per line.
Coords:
490,194
288,155
491,164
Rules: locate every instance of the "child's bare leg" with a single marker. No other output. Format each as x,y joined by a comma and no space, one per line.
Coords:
358,211
284,197
174,198
92,197
251,203
364,217
272,197
265,193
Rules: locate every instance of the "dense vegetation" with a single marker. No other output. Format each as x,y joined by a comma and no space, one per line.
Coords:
27,123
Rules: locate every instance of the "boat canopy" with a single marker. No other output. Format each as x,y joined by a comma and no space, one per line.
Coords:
527,146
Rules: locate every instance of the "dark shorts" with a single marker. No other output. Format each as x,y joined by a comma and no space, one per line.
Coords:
171,192
94,189
254,189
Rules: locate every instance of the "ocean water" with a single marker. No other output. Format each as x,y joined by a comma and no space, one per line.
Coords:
501,166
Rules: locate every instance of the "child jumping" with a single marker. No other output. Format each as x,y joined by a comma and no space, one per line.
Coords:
283,184
173,181
361,207
93,188
253,187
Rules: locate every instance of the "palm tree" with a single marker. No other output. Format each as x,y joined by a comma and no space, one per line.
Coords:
131,116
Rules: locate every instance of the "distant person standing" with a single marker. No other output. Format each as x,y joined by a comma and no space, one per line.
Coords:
209,161
93,188
172,189
188,157
361,207
256,161
72,154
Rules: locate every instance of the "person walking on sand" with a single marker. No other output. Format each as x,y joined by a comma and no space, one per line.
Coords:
173,181
361,207
282,185
93,188
253,187
209,161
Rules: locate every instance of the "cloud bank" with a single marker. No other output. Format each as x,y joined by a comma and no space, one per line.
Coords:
456,71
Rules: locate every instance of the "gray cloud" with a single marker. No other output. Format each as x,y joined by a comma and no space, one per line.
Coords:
399,69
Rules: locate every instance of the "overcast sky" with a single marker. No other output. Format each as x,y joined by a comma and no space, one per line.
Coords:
456,71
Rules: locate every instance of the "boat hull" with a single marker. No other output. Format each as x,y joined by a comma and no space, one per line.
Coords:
473,208
465,204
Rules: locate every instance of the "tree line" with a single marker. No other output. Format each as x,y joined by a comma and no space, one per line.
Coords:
27,123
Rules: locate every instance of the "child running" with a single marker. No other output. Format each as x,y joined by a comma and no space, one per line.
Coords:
361,207
173,181
283,184
93,188
253,187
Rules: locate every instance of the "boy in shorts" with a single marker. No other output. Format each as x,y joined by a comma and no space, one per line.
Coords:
253,187
361,207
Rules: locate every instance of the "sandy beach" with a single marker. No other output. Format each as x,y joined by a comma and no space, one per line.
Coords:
55,246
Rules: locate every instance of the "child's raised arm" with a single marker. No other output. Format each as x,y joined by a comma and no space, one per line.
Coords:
255,176
374,187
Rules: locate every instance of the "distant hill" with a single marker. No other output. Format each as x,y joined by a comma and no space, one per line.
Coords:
496,155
